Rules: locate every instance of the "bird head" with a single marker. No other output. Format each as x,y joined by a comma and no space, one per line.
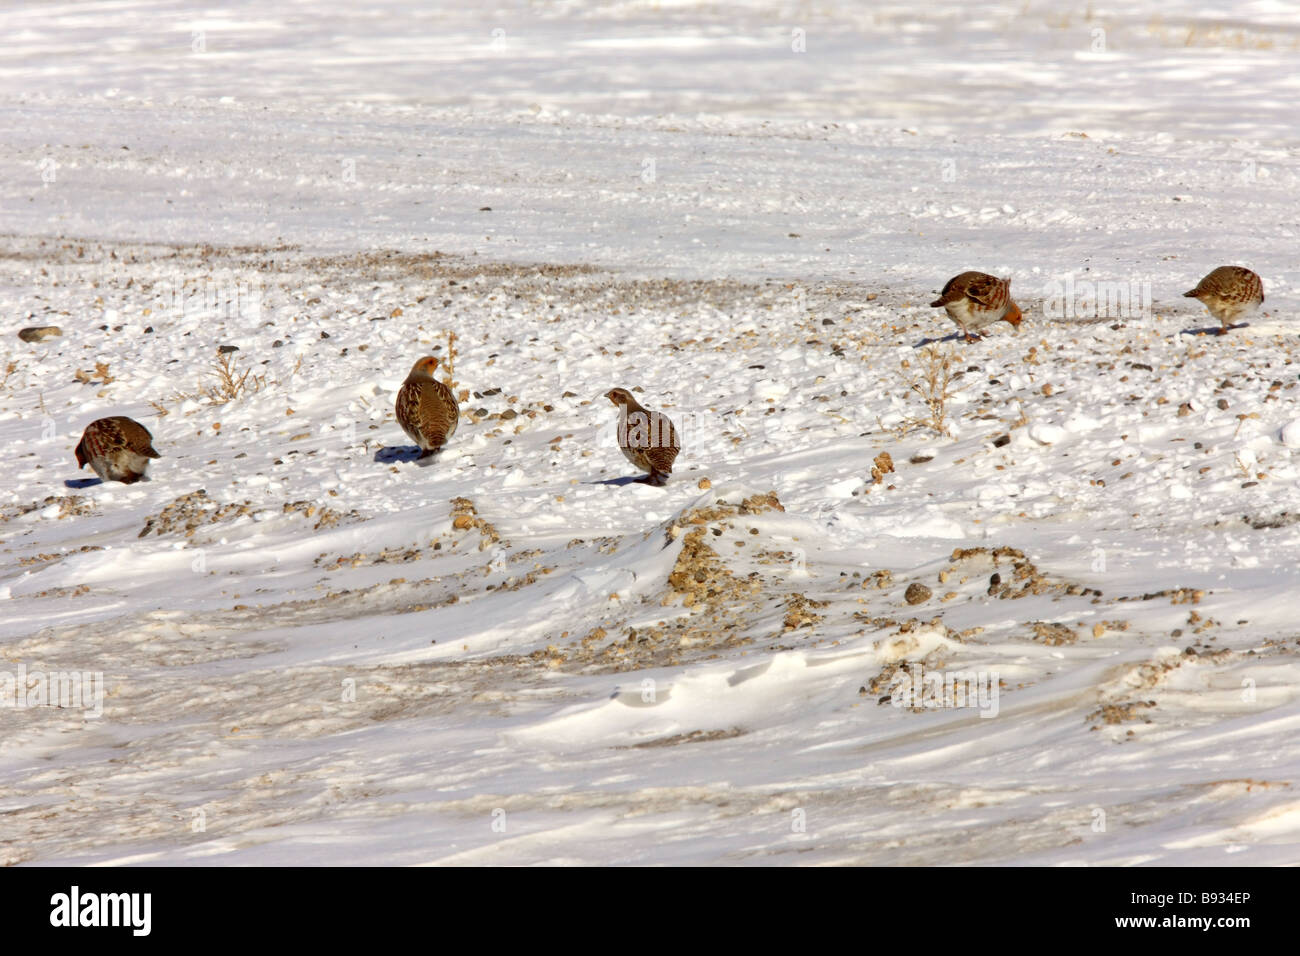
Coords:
81,456
425,367
1013,316
620,396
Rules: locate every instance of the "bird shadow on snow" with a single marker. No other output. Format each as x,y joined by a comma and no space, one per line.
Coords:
625,480
955,337
1215,329
392,453
82,482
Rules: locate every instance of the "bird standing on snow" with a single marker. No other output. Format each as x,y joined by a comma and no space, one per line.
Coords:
1230,293
117,449
976,299
647,439
426,408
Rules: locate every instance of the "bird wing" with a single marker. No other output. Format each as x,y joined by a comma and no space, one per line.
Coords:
432,408
136,437
951,292
661,457
983,290
664,445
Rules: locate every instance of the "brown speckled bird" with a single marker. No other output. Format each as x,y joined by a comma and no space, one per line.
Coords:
975,300
426,408
117,448
1230,293
647,439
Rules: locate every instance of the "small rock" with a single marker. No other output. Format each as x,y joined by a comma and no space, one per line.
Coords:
705,484
39,333
227,349
1223,404
1002,441
1184,410
916,593
278,343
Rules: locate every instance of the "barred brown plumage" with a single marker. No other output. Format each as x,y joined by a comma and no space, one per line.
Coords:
1230,293
426,409
976,299
116,448
647,439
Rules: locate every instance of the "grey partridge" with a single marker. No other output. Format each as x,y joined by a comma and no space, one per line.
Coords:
116,448
647,439
975,300
1230,293
426,408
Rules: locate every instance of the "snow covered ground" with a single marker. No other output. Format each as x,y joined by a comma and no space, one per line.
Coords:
315,650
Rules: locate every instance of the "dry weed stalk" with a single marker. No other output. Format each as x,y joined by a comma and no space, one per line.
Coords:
1248,468
450,364
932,382
231,382
451,361
100,374
1241,420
